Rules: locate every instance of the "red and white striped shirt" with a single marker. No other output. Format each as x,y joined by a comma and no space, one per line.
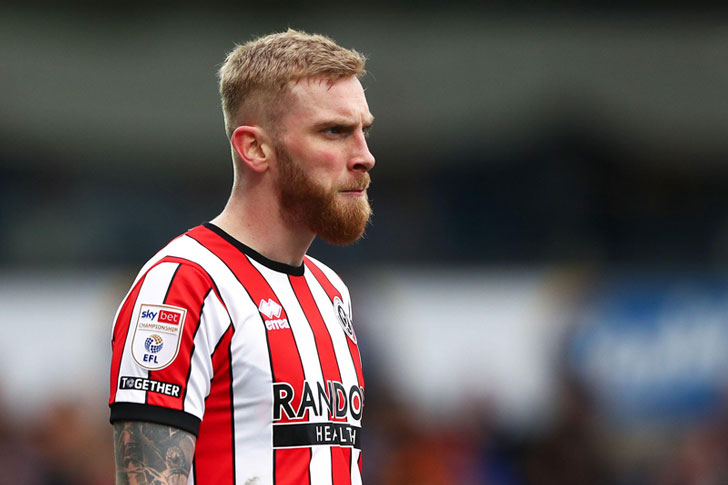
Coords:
256,358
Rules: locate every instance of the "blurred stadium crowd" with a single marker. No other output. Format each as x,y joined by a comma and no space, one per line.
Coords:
63,446
541,298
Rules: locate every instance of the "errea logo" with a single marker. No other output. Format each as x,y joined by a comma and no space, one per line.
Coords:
270,308
271,312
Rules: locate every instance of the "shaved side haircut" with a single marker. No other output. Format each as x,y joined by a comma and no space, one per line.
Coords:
256,76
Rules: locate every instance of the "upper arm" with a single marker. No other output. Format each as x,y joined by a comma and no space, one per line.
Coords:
164,336
150,453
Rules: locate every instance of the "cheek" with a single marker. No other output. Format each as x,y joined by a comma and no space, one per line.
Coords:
320,160
331,163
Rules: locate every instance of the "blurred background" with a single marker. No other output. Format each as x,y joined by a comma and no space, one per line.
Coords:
541,299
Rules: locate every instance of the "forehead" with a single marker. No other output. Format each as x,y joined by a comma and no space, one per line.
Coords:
317,100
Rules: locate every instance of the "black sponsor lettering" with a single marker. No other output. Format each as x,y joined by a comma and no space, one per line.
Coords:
143,384
328,398
301,435
282,396
340,399
332,401
306,401
356,405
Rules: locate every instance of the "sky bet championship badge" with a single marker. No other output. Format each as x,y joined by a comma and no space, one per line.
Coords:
157,335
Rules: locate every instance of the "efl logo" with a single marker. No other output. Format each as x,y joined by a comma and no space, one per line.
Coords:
157,335
169,317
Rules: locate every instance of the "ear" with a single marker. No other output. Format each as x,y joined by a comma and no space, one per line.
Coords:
251,145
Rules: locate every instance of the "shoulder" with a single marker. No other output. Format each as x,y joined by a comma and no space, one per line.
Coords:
314,264
177,271
185,251
327,277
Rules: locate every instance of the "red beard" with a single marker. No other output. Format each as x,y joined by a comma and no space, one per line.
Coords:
306,202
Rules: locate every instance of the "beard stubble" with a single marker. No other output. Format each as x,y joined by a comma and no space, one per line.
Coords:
306,202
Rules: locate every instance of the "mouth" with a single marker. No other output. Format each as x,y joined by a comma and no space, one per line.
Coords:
360,190
356,191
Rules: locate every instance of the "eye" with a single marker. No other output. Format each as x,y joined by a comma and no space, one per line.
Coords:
334,130
337,131
367,130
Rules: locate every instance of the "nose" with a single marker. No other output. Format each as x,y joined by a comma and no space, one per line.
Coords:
362,159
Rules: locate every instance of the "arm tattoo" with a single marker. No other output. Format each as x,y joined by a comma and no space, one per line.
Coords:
152,454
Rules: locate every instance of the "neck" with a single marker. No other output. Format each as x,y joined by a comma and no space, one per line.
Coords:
256,219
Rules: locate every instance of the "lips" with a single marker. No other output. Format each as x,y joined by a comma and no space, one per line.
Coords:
354,192
357,188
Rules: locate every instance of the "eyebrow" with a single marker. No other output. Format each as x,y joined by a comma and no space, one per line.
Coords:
344,122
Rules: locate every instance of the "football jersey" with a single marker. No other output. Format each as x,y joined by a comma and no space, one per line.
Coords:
257,358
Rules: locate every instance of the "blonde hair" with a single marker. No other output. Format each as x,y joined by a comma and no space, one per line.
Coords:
256,75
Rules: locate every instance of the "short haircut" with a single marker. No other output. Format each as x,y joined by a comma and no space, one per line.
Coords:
256,75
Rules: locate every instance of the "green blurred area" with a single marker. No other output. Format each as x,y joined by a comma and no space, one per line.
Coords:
513,134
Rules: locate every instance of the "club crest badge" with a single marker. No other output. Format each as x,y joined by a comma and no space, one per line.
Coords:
344,317
157,335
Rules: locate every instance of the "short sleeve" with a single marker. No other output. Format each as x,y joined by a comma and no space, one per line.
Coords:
164,334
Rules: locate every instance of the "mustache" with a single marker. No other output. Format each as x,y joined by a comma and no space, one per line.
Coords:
362,183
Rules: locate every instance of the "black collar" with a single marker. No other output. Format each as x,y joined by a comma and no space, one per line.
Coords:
248,251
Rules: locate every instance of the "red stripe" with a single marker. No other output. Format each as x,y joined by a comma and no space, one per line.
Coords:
341,463
121,331
203,273
291,466
215,449
340,458
187,290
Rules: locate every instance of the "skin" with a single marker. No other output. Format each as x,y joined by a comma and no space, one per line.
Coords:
324,130
154,454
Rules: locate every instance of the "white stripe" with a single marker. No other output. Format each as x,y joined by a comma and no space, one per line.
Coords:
214,321
153,290
355,474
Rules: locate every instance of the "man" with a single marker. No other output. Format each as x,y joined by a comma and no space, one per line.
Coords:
234,357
